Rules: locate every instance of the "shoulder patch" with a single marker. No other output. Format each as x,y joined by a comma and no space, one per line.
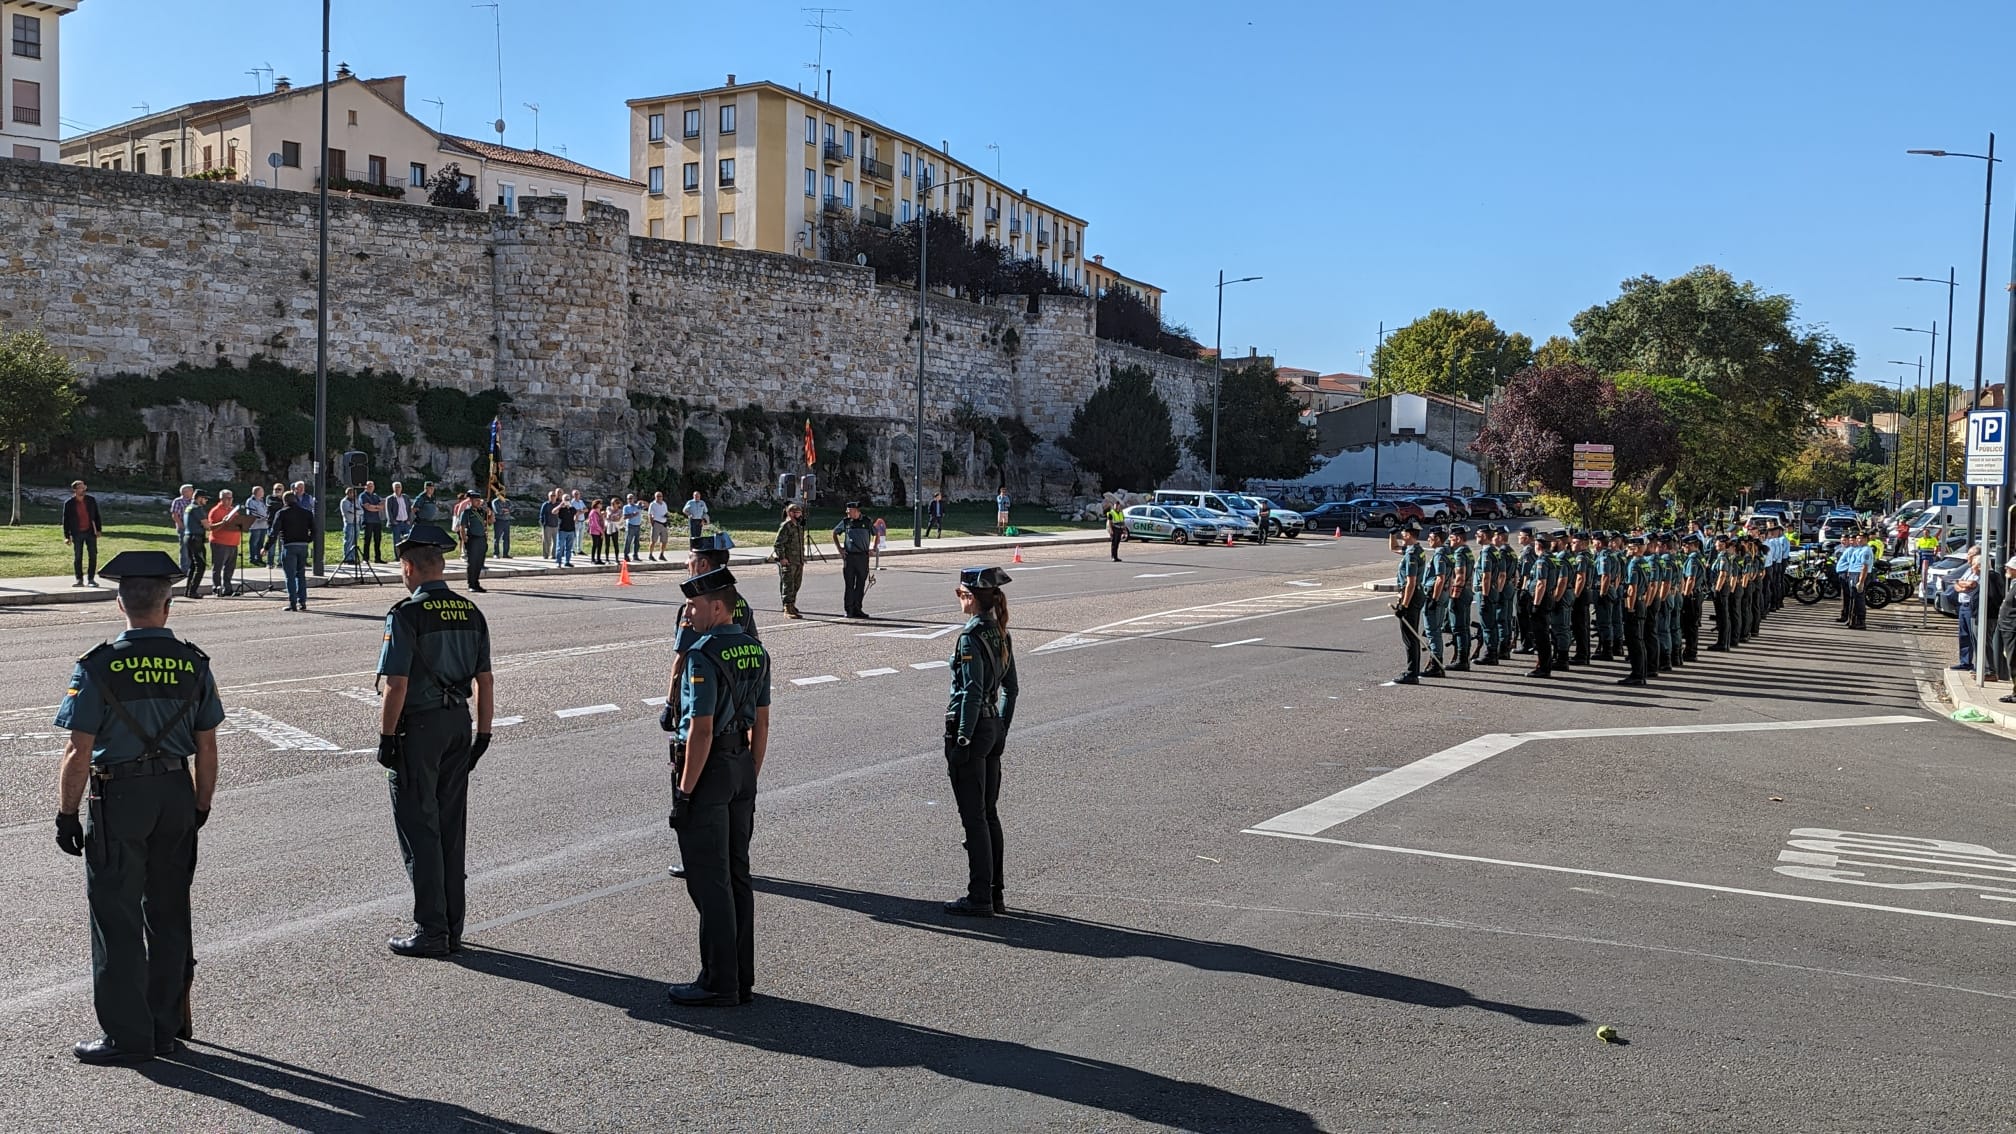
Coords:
97,649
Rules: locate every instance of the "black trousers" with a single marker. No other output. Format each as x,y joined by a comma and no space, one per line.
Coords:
1634,643
854,574
1528,634
1690,628
1409,617
139,858
1853,602
976,786
714,846
374,542
1115,535
473,554
198,553
82,544
1581,627
430,811
1725,628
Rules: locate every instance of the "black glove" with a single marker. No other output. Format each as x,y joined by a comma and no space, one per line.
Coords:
391,746
202,817
682,810
69,833
1396,606
668,717
477,749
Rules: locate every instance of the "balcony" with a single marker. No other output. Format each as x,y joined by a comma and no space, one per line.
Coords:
965,201
878,218
1014,226
835,207
877,169
1070,250
993,215
835,154
1042,238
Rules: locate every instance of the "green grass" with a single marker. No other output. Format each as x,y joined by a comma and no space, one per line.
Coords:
36,547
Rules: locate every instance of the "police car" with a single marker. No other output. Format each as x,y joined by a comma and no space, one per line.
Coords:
1173,523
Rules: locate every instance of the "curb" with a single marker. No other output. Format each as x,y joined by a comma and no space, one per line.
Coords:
1957,691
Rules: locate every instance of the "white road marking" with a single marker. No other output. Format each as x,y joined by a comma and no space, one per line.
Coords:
1303,583
1356,800
657,702
930,665
1636,878
820,680
920,635
500,722
277,735
1205,616
1240,642
1818,855
583,711
1165,575
1376,617
361,696
883,672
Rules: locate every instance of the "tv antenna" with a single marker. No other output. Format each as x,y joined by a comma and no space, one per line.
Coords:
497,23
440,113
534,108
818,64
996,147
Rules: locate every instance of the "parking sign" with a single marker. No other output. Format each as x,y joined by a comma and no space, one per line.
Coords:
1946,494
1987,446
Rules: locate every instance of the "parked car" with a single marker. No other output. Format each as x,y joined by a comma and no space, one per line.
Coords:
1937,588
1488,508
1459,507
1333,517
1227,523
1174,524
1521,503
1434,509
1833,529
1280,521
1386,513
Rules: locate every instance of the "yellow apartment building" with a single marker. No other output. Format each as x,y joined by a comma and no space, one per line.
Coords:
31,62
757,165
1099,279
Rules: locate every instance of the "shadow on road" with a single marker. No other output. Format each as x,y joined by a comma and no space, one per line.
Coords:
835,1035
310,1100
1058,934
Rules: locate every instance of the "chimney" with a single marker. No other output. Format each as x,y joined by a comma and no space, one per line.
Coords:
343,71
282,85
1100,259
731,78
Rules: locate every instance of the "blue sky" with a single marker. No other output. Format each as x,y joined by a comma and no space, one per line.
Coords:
1370,160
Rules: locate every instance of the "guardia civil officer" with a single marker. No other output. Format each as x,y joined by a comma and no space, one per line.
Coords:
1529,632
1549,576
1635,597
789,555
1405,541
1508,593
720,738
1464,572
1721,570
1582,568
705,553
1694,587
142,713
1603,607
976,728
1437,573
436,646
1490,584
854,538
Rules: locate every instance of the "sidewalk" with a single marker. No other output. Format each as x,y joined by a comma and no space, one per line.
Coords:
36,590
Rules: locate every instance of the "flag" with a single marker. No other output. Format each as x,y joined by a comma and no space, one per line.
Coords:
811,454
496,462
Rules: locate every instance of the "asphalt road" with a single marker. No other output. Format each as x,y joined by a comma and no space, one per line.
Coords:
1254,888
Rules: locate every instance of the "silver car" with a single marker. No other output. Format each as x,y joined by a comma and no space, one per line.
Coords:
1280,521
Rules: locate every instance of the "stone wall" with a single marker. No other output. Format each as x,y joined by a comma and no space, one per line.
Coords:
580,323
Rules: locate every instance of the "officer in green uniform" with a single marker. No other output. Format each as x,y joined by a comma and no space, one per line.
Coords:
1662,584
142,713
474,525
1412,597
1508,592
720,738
705,553
1604,605
1583,565
1676,593
436,645
984,688
1719,571
854,538
1529,623
1462,581
1490,584
789,555
1694,570
1436,577
1633,600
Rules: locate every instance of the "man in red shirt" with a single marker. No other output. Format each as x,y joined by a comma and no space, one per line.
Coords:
224,536
81,528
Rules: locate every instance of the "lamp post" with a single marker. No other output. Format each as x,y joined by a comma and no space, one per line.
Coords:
1931,369
1926,466
1218,370
1946,391
924,187
1896,442
317,476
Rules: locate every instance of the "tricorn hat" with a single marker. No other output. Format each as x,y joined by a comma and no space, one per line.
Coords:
719,579
141,565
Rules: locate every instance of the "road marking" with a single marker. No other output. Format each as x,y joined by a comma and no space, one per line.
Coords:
920,635
820,680
883,672
500,722
1303,583
1320,816
1240,642
657,702
1203,617
277,735
359,695
1164,574
583,711
1819,855
1376,617
930,665
1636,878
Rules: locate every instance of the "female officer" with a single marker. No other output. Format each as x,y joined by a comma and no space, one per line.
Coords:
976,728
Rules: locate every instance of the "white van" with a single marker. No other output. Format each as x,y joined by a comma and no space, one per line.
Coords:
1942,518
1194,498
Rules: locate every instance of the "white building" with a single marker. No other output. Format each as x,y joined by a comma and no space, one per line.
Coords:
31,64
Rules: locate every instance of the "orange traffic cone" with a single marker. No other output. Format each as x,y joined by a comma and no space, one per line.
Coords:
623,573
1337,533
1228,537
1018,556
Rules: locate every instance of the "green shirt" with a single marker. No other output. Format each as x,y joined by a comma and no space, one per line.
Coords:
439,642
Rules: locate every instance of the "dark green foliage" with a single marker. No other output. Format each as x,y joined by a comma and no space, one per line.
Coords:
1260,432
1124,317
450,417
1123,434
285,435
973,269
693,446
445,189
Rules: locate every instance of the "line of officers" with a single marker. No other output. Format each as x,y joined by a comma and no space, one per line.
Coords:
1570,598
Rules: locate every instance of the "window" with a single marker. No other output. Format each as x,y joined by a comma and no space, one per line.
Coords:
728,119
811,183
655,228
829,185
848,145
690,176
167,161
374,167
906,165
290,155
847,193
727,172
231,155
727,228
339,162
353,117
416,175
656,129
507,196
655,176
139,161
27,153
27,102
693,123
811,130
116,164
28,40
689,230
208,161
903,211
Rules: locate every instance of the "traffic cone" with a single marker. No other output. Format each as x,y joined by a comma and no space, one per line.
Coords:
623,573
1337,533
1228,537
1018,556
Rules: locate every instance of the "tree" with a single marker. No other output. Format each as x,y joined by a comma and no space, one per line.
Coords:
1762,372
1859,400
1124,317
1448,352
1823,470
450,189
1123,434
1558,350
38,391
1260,430
1545,411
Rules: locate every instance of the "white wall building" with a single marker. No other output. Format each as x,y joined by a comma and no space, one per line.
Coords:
31,60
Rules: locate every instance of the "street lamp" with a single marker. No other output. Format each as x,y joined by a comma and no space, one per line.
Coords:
1923,464
1946,392
1934,332
320,460
924,187
1218,369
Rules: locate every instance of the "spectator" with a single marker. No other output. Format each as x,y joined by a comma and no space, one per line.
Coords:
398,515
225,534
293,531
595,531
881,539
661,521
696,515
426,510
500,525
195,541
633,526
934,515
564,514
352,514
261,515
1966,594
176,508
372,508
1001,512
81,528
549,524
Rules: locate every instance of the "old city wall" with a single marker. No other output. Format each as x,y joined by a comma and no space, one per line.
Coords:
578,322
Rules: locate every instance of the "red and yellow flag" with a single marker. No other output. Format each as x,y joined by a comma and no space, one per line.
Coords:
811,454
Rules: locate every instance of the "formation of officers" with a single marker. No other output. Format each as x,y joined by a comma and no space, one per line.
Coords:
1572,598
139,772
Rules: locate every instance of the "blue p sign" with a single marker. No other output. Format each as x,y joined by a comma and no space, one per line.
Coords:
1945,494
1992,427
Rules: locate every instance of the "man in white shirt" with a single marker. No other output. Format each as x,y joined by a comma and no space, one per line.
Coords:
661,517
696,515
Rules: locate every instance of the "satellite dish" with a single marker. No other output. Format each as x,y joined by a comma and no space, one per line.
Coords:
273,160
498,126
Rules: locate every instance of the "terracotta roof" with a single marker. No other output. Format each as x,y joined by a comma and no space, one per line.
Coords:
537,159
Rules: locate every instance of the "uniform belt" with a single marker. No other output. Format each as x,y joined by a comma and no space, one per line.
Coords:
148,766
